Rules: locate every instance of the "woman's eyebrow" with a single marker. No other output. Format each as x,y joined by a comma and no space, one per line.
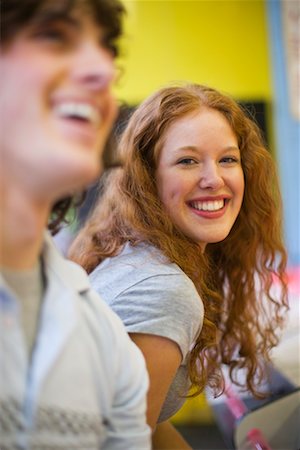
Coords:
195,149
185,148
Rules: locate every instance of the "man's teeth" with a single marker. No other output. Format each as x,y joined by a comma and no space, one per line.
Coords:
83,111
208,205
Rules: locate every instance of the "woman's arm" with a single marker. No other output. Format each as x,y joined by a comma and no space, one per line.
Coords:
166,437
163,358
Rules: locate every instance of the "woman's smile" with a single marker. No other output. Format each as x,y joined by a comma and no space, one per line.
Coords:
199,176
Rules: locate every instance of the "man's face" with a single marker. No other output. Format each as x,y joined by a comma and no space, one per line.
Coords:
56,107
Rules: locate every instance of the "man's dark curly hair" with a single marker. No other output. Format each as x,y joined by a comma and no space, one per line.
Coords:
16,14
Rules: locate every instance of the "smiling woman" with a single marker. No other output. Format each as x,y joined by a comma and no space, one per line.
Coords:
201,184
184,243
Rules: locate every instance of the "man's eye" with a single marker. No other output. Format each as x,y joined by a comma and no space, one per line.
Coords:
54,35
187,161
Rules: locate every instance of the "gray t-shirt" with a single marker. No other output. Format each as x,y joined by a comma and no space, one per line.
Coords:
152,295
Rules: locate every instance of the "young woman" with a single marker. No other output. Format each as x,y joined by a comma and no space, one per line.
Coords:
184,245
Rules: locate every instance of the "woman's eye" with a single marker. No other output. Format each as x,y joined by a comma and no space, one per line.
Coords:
229,160
187,161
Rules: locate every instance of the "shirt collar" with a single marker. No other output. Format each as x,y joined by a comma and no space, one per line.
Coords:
70,273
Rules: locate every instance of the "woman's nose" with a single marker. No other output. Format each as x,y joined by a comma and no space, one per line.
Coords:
94,67
210,177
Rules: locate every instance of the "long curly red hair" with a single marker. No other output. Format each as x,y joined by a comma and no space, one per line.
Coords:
234,278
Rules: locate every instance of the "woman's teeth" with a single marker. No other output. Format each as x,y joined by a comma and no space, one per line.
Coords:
214,205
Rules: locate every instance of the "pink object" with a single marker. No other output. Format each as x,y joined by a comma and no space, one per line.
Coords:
293,279
238,409
255,437
236,406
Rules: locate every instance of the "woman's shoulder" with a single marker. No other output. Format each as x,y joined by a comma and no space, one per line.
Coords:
139,264
141,281
150,294
142,255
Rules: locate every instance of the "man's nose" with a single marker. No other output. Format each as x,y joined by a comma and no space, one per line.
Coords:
210,176
94,67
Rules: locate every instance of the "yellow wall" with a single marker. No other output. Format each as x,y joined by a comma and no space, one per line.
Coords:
220,43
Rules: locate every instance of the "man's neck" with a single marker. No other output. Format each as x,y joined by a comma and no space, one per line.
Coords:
23,220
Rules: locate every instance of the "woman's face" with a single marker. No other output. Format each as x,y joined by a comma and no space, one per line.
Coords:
56,102
199,176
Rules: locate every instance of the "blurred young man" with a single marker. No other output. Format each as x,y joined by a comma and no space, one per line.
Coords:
70,378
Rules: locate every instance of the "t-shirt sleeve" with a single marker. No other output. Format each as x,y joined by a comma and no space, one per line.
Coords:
165,305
